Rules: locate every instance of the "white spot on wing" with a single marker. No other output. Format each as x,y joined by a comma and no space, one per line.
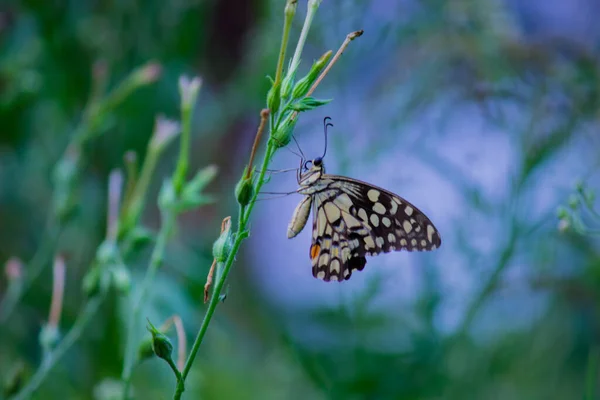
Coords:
363,215
386,221
407,226
430,231
374,220
373,195
334,266
393,207
369,243
408,210
379,208
391,238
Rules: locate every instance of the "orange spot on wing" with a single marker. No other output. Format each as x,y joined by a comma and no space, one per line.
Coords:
315,249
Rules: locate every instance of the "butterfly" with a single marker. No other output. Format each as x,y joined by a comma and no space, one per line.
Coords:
354,219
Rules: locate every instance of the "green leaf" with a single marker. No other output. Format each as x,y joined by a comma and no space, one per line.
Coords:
308,103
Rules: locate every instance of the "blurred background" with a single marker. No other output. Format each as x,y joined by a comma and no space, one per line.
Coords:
484,114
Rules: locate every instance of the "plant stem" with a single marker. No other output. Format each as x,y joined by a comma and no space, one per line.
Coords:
52,357
155,263
350,37
264,114
313,6
289,12
240,235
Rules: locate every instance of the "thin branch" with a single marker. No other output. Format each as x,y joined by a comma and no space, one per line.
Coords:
264,115
350,37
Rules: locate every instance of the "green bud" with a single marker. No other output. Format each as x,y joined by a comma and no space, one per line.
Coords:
107,252
222,246
579,186
290,8
49,337
92,282
283,134
274,98
308,103
305,83
244,191
121,279
140,237
145,350
574,202
562,212
161,345
287,84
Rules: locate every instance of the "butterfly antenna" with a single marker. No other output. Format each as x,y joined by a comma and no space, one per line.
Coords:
326,124
293,152
299,149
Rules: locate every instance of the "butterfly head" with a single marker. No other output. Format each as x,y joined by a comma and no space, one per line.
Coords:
310,171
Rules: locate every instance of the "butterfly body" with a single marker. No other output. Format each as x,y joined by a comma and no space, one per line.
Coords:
354,219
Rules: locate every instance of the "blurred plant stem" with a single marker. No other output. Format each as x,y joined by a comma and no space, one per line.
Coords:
283,111
176,196
68,168
107,270
492,281
42,255
56,354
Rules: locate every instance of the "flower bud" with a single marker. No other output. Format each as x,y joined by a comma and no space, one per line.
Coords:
244,191
161,345
305,83
222,246
283,134
274,98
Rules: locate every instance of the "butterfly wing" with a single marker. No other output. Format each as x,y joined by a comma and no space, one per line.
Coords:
353,219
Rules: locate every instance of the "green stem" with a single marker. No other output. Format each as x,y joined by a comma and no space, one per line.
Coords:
313,6
290,10
184,150
155,263
240,235
54,356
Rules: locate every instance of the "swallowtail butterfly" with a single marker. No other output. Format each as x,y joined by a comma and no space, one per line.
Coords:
354,219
